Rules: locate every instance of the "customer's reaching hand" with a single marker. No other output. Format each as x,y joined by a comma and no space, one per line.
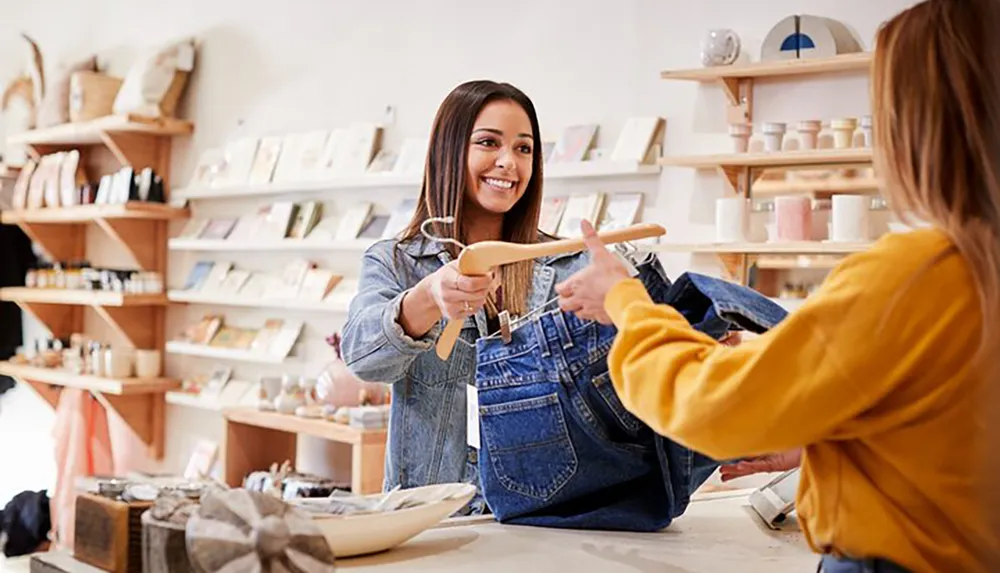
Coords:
762,464
583,293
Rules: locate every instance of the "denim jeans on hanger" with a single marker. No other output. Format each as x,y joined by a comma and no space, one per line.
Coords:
558,448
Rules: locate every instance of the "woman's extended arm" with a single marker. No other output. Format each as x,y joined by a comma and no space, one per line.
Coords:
796,384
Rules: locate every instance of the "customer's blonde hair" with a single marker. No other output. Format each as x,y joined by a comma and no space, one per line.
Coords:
933,105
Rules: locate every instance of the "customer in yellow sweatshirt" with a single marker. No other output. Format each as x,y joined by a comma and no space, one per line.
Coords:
880,378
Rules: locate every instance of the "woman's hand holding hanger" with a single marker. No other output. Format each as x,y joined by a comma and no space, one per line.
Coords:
458,296
445,293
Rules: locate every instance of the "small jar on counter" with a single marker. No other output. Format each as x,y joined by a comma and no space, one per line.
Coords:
31,278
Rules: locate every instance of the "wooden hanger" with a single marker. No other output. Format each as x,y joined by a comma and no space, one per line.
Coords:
479,258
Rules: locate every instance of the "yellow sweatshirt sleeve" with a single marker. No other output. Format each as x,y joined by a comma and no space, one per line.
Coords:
786,388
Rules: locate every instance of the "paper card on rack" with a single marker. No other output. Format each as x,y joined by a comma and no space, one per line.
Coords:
264,163
288,334
353,221
636,138
239,158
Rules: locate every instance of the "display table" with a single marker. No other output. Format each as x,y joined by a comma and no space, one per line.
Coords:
718,533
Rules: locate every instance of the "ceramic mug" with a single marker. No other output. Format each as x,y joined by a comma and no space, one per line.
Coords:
793,218
148,363
730,220
849,218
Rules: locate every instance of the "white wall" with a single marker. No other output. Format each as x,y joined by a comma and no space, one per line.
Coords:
302,64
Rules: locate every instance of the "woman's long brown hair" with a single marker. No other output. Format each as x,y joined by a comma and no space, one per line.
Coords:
937,147
446,179
933,97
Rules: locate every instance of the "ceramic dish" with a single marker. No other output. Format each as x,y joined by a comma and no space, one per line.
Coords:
354,535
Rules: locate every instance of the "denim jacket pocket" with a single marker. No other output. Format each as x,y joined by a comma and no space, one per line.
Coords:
529,445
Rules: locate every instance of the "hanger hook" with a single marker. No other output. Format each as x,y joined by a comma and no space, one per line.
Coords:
430,237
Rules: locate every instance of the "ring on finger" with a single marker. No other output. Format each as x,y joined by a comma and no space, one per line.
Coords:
467,307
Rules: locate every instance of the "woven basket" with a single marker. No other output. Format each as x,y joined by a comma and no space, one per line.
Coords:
92,95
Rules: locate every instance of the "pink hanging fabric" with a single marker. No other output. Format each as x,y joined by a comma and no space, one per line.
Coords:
83,449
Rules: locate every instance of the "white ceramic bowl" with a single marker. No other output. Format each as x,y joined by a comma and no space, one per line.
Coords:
355,535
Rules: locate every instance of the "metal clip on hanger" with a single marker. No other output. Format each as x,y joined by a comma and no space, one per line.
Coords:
479,258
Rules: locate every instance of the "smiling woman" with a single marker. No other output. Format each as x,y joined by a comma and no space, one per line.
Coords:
483,169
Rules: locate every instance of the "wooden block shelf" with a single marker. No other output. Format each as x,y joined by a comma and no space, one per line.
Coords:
255,439
92,213
94,132
80,297
362,182
195,297
296,245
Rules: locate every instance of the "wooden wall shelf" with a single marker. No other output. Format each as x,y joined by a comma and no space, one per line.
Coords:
139,402
854,155
801,67
94,132
819,187
139,229
737,80
80,297
116,387
88,213
254,440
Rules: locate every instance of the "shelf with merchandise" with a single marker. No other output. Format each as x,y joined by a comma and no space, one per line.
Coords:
61,226
255,439
388,180
194,297
181,348
745,170
282,245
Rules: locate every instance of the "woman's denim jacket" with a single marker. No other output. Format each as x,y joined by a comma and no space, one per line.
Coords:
427,439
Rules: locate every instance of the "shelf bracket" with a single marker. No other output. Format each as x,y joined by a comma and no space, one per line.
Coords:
144,414
46,392
60,320
138,325
739,92
144,240
59,242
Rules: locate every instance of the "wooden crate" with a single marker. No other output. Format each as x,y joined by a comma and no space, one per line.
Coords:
109,533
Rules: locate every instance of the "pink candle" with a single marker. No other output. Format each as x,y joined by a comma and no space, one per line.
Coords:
793,218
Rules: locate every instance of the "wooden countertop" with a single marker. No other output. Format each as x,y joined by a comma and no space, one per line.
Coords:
719,532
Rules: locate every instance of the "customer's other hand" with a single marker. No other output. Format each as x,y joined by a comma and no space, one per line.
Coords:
762,464
583,293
